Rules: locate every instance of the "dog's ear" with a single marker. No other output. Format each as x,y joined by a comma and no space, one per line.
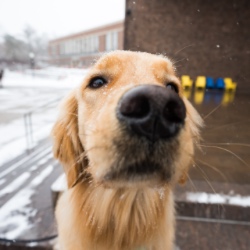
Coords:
67,147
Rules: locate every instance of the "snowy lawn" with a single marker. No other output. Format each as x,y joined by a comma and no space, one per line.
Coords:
36,92
23,92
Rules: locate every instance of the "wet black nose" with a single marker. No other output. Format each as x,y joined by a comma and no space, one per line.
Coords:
152,111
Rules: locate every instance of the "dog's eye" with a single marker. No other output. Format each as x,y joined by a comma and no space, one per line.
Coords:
172,86
97,82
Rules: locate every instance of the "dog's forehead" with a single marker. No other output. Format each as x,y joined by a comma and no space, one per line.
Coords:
121,61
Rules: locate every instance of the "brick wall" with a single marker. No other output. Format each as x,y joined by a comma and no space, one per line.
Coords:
205,37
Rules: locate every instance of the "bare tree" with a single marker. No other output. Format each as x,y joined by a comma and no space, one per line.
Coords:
13,49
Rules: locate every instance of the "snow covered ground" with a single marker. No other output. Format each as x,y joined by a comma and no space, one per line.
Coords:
23,92
18,210
46,78
36,92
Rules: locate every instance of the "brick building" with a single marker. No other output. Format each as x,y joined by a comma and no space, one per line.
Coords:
208,38
80,49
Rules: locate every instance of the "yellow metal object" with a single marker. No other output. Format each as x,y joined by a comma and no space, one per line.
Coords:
229,84
187,93
200,82
199,96
228,97
186,82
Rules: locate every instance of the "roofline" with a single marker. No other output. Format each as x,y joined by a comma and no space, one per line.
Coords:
92,30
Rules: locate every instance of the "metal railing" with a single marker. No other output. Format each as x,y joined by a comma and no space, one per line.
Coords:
28,124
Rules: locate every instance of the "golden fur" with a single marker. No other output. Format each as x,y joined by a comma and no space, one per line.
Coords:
98,214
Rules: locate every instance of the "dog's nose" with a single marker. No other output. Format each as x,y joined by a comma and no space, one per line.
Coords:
152,111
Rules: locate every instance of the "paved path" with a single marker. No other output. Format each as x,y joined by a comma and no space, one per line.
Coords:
26,210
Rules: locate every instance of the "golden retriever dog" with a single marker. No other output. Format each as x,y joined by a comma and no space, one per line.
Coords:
125,137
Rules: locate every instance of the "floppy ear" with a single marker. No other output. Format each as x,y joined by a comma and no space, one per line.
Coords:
67,147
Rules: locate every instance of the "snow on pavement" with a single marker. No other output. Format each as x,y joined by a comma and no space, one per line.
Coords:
23,92
14,185
34,157
15,214
13,141
51,77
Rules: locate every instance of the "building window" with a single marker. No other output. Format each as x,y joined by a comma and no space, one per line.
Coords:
96,44
83,45
53,50
62,48
112,41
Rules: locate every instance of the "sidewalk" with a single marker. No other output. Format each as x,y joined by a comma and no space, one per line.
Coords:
26,210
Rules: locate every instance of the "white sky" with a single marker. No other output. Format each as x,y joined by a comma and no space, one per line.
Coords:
58,17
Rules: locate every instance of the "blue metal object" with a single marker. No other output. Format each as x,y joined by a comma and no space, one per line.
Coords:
208,96
209,83
219,84
218,97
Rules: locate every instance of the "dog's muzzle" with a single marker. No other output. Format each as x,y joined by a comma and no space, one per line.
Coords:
152,111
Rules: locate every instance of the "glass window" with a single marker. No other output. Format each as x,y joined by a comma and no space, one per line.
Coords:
61,48
112,41
96,44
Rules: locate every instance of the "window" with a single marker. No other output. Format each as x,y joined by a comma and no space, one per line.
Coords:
112,41
53,49
84,45
62,48
96,44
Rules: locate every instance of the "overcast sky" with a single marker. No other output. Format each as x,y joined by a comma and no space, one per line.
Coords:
58,17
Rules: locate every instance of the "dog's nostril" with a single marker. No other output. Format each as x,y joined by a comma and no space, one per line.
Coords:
174,111
136,107
152,111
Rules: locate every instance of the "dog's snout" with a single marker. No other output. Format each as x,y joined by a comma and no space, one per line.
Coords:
152,111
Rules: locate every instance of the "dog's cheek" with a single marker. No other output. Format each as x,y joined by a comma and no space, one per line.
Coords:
100,147
100,161
185,159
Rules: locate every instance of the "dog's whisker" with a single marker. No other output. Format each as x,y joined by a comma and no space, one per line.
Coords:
206,178
97,131
192,183
211,129
211,186
81,176
113,130
84,154
229,151
175,62
228,144
210,113
183,148
80,158
190,45
214,168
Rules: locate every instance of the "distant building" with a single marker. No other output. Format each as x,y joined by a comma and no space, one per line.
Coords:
81,49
